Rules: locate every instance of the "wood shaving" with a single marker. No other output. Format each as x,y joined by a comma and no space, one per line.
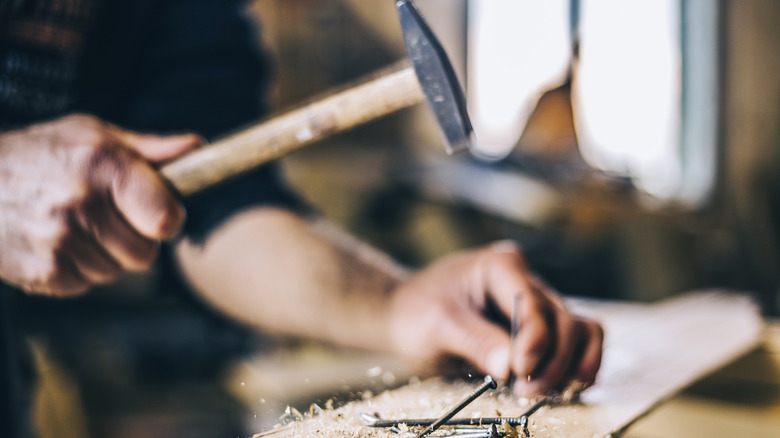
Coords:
424,399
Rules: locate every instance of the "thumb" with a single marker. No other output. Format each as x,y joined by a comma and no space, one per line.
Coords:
140,195
158,148
481,342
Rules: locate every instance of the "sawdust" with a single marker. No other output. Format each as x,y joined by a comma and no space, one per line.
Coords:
429,399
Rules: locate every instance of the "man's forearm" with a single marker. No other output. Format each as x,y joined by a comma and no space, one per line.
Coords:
278,272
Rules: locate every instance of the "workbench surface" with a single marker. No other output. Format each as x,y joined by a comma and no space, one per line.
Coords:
652,352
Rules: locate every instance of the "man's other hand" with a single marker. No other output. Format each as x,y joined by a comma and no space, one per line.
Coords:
461,306
80,203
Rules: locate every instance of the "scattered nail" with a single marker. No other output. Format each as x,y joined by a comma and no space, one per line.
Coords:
489,384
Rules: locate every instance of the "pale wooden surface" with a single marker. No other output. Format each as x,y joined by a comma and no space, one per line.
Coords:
279,136
652,351
741,399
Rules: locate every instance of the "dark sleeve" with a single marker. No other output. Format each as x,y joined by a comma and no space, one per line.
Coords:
195,66
202,69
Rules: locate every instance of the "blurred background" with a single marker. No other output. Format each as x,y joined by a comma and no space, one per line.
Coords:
631,148
628,146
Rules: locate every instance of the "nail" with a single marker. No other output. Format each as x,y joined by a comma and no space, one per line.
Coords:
514,329
489,384
367,418
425,422
524,419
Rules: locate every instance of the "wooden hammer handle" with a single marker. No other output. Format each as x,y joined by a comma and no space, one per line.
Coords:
287,133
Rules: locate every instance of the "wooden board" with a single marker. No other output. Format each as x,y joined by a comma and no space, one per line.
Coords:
652,351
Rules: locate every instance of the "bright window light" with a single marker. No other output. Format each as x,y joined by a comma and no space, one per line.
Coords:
516,50
627,91
644,91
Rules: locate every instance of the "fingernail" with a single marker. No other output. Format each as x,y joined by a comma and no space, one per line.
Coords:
172,222
498,362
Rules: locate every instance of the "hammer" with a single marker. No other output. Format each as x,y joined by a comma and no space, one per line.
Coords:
427,75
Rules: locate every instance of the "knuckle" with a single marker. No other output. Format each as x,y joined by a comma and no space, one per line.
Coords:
101,155
108,166
90,149
86,128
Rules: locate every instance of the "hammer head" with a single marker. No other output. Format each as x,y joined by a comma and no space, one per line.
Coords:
436,76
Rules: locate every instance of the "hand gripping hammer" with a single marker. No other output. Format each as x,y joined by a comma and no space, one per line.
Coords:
430,77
